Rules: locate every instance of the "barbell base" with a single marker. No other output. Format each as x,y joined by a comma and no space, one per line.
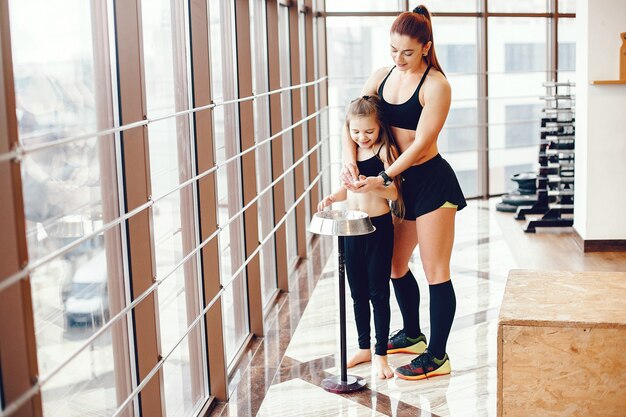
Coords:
335,385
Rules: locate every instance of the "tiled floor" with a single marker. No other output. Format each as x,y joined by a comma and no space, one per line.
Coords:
281,373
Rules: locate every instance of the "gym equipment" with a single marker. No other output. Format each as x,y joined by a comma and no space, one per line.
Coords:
342,223
555,182
524,195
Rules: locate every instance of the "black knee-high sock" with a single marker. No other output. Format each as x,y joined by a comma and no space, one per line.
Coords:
442,309
408,297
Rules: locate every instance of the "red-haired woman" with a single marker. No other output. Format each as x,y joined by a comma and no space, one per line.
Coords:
415,98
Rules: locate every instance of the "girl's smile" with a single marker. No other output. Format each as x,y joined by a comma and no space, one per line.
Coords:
364,131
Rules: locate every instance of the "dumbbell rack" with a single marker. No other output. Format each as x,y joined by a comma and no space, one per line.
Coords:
555,182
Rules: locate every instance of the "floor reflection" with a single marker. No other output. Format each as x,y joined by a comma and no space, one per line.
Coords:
301,345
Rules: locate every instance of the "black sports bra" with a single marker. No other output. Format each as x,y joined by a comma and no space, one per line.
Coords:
371,167
407,114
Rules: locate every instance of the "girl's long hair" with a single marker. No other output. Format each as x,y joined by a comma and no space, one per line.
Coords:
417,25
367,106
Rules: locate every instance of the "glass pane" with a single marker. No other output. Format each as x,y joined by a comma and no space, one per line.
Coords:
73,296
450,6
179,388
55,88
305,131
258,43
465,165
235,316
567,6
455,43
285,81
517,68
567,49
521,123
183,386
516,160
508,6
357,46
229,188
327,167
460,133
173,216
215,38
86,385
363,5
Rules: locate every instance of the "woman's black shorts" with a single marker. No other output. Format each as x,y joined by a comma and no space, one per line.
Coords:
427,186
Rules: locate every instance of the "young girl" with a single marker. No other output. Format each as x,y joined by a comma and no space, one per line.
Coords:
368,257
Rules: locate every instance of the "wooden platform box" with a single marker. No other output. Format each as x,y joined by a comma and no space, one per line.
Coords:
562,344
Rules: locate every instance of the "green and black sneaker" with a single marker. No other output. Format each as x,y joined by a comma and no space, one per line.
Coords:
424,366
399,342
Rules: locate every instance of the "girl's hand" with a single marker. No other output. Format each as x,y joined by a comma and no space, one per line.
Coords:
327,201
367,184
349,175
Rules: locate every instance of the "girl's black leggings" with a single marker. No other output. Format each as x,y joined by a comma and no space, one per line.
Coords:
368,266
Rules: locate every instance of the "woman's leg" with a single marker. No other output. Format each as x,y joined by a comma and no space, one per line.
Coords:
404,243
436,231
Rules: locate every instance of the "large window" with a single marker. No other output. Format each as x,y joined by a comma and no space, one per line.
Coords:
496,78
128,145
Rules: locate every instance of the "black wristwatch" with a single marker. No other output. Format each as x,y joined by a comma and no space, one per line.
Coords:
386,178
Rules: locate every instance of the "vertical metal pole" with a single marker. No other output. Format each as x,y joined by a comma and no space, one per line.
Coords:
343,383
342,310
553,36
483,101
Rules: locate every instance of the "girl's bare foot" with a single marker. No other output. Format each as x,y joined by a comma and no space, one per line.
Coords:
363,355
382,367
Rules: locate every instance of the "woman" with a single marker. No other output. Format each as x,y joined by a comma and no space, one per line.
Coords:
415,97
